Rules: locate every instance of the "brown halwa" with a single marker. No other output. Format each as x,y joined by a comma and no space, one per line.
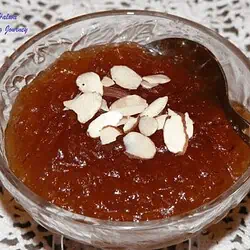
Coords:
50,151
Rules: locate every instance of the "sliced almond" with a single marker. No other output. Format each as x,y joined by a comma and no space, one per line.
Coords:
148,85
156,79
156,107
189,125
130,124
107,82
148,125
109,134
139,146
85,106
104,105
161,121
89,82
129,105
125,77
174,132
123,121
171,112
110,118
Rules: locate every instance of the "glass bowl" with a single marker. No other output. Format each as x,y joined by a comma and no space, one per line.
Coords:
110,27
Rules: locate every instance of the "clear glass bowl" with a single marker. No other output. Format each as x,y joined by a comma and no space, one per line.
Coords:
108,27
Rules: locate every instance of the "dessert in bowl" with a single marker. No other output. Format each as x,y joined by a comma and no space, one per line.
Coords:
124,142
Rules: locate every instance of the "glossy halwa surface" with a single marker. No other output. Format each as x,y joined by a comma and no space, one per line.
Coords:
49,150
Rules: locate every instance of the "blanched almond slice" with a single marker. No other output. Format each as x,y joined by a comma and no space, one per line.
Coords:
139,146
123,121
161,121
156,107
171,112
129,105
158,78
104,105
110,118
89,82
148,125
109,134
189,125
107,82
85,106
125,77
130,124
148,85
174,132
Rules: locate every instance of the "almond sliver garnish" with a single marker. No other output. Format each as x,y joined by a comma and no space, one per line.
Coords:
107,82
130,124
89,82
148,125
156,79
110,118
125,77
161,121
123,121
189,125
177,127
139,146
129,105
148,85
156,107
109,134
174,132
85,106
104,105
